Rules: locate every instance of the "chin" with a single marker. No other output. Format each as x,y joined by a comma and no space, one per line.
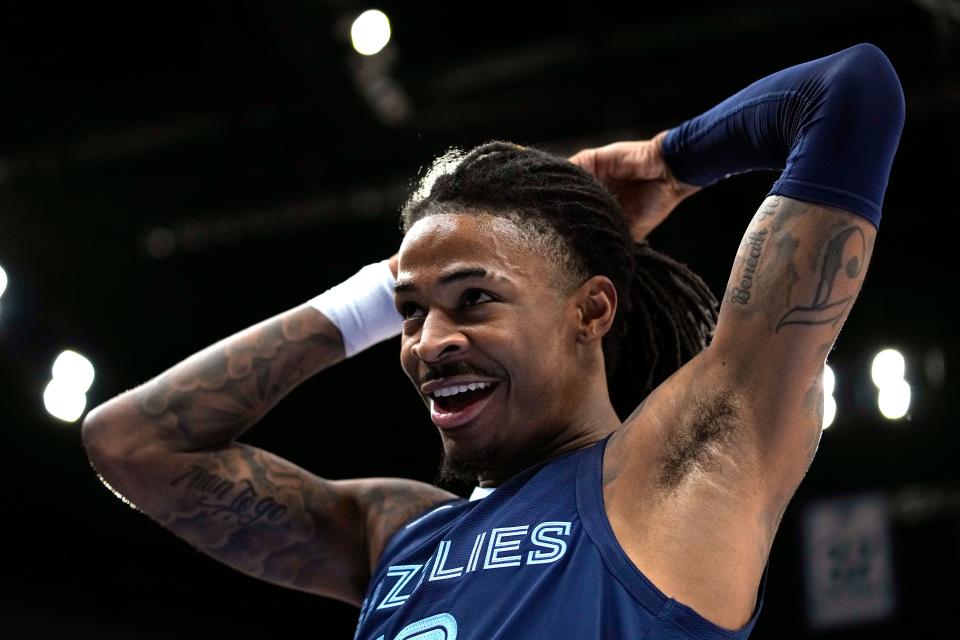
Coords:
466,464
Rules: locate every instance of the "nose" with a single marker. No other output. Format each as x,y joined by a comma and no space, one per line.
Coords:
438,336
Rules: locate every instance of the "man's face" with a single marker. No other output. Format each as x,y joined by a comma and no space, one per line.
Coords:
512,328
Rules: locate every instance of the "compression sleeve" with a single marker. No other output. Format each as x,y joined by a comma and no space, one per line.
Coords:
832,125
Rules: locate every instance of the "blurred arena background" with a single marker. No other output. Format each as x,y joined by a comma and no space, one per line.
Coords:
170,174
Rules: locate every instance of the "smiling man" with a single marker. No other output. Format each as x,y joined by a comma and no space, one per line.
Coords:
633,460
538,391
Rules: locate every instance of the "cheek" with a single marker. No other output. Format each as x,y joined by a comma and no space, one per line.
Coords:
545,358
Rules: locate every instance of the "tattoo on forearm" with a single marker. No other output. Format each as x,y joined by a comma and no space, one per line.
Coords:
741,293
843,258
222,498
214,396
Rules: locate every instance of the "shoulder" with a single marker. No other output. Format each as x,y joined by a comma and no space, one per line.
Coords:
387,504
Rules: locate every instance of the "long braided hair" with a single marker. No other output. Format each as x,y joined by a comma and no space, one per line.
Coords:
666,313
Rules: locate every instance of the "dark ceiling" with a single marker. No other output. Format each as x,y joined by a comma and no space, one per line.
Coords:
171,174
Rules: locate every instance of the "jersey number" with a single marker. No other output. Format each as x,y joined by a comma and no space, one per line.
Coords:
442,626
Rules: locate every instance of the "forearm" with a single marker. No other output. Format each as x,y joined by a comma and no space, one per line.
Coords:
215,395
831,124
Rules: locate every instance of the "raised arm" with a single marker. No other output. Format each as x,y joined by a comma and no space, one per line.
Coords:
833,125
705,467
169,449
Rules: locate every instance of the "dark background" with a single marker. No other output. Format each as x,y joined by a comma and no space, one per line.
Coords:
171,174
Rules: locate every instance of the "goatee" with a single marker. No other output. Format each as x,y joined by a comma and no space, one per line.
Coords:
467,469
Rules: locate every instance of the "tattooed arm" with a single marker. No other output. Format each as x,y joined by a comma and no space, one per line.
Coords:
697,479
833,125
169,449
797,274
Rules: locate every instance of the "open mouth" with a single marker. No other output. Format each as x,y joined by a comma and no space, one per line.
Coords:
463,399
460,408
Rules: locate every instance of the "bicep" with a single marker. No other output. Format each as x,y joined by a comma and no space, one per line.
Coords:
264,515
251,510
796,276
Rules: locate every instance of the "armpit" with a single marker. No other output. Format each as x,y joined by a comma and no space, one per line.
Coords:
703,438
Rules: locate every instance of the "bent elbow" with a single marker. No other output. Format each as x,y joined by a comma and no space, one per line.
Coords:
868,73
95,430
113,430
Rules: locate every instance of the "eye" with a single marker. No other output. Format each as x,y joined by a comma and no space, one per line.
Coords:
469,294
471,297
406,310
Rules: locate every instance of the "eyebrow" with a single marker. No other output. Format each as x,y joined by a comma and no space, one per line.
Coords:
459,274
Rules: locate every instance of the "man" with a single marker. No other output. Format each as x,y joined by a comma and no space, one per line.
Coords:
513,267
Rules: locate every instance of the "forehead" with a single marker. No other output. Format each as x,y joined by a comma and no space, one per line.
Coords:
441,239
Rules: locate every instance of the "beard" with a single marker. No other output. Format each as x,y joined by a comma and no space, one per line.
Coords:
467,468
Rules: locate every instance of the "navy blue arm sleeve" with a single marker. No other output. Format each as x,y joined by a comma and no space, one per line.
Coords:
832,125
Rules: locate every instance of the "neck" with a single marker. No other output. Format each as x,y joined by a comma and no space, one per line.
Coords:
590,422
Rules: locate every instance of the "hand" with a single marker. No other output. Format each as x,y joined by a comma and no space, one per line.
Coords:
638,176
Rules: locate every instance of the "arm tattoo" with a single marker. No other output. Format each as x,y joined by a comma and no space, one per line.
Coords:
259,514
217,394
222,498
843,257
741,293
768,208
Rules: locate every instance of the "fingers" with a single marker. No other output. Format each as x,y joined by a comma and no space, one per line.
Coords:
586,159
618,162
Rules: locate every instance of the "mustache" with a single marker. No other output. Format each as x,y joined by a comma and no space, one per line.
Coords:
458,369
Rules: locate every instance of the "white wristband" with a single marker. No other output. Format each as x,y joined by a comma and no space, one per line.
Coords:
362,307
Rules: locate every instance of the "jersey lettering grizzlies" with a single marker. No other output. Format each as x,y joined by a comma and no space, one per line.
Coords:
534,559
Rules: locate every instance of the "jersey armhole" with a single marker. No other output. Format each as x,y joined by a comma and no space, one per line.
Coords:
672,615
593,515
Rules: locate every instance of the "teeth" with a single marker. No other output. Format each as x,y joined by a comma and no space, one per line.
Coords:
453,390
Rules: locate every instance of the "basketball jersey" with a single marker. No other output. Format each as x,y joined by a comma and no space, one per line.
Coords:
536,558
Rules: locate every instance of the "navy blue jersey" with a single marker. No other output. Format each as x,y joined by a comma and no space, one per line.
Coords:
536,558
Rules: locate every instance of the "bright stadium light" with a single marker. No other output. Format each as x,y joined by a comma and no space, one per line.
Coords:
829,403
370,32
894,399
887,372
3,281
64,401
888,367
829,411
73,371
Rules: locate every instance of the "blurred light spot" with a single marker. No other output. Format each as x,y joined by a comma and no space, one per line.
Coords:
160,243
829,380
73,371
888,368
64,401
829,402
894,400
370,32
3,281
935,367
829,411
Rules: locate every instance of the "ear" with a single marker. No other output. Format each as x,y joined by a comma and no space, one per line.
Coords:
597,305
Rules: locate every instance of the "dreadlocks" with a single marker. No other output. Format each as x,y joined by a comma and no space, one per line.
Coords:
667,312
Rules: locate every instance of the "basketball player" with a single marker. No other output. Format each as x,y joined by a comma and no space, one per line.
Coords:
533,315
